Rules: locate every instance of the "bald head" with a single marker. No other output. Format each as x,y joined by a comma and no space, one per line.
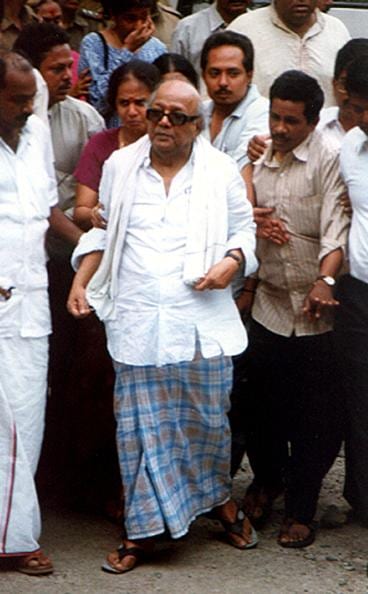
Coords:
11,61
174,121
178,91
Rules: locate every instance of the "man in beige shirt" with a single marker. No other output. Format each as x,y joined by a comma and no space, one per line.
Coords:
292,35
293,419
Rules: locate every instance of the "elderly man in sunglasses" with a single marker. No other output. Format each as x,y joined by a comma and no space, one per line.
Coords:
178,231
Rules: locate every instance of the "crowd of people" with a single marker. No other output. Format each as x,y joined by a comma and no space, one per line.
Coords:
184,217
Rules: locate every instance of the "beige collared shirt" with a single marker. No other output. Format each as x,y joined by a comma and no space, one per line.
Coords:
304,189
278,48
9,30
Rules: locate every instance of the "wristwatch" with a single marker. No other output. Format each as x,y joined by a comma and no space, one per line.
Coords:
329,280
236,257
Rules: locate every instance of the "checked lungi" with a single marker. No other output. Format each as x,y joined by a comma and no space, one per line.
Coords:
173,442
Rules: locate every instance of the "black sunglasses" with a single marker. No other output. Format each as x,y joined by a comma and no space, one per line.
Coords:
176,118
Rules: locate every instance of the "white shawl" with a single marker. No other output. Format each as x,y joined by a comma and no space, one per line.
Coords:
207,225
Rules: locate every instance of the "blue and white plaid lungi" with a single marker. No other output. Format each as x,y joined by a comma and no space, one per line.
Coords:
173,442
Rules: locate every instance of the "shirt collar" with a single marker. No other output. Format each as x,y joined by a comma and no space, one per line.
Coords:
26,16
300,152
239,110
146,163
215,19
362,141
314,29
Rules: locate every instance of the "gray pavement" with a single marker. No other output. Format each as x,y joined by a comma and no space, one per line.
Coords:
202,563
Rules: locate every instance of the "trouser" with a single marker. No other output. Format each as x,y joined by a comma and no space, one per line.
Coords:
351,340
292,414
80,411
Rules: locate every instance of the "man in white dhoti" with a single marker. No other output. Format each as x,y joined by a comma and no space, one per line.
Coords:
27,200
179,229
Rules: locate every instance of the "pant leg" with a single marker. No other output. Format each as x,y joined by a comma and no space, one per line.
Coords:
316,422
259,406
351,341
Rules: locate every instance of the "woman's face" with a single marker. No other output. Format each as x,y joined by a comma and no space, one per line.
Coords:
131,105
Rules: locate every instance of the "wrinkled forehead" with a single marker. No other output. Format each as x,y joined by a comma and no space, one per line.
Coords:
176,100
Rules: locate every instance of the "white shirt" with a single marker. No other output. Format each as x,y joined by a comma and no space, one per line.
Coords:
330,127
191,33
278,48
250,117
159,319
354,169
72,123
27,192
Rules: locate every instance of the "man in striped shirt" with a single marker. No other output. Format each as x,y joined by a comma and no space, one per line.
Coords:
293,415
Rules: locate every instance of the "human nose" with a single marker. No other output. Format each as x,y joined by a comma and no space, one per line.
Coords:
223,82
67,73
132,109
279,127
28,105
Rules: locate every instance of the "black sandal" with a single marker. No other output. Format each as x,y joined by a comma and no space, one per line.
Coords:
237,528
137,552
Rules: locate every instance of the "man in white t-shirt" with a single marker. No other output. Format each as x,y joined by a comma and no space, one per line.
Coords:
351,325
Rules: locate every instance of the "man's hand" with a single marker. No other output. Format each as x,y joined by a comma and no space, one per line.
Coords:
268,228
319,299
219,275
77,303
81,87
256,147
97,219
140,36
346,204
244,302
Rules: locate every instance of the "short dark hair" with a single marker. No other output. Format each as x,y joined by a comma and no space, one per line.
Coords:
294,85
116,7
37,39
146,73
357,77
229,38
11,60
352,50
177,63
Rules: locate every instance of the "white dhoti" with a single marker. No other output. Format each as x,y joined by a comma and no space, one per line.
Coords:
23,386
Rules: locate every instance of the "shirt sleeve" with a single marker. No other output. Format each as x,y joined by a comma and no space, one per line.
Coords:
92,56
242,228
335,222
89,168
256,123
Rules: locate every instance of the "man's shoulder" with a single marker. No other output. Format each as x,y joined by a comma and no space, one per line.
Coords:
35,125
71,105
335,26
195,19
353,141
169,10
245,22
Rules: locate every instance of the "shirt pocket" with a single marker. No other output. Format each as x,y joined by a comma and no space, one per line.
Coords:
306,215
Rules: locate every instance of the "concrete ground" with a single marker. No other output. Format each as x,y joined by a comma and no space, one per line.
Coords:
202,563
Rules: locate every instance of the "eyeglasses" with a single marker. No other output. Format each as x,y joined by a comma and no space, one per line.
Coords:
176,118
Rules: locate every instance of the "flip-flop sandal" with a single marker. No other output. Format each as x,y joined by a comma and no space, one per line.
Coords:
257,493
137,552
26,564
237,528
297,544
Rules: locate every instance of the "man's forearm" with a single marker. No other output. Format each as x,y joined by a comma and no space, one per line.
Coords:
64,227
331,264
87,268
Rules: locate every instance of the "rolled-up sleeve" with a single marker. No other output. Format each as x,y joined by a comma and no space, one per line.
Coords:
241,225
335,222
